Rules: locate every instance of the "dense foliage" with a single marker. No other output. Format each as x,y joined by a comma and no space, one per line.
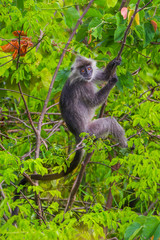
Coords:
119,194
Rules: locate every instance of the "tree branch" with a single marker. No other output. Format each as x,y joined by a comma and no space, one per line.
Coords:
89,155
144,6
55,74
37,197
122,46
28,202
77,182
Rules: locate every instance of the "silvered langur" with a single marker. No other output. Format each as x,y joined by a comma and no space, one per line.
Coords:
78,102
80,98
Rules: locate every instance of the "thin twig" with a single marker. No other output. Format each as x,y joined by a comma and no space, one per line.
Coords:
10,90
3,195
77,182
150,207
144,6
53,130
28,202
10,116
37,196
19,86
28,113
6,56
54,77
6,63
127,30
3,148
6,136
122,46
39,40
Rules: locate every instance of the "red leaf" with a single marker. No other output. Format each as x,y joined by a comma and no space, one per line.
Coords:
154,24
90,39
13,46
15,54
10,47
124,12
21,33
23,50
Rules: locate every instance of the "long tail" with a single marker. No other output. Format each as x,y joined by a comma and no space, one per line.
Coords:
48,177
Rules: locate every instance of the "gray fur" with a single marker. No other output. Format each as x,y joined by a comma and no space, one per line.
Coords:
78,102
80,98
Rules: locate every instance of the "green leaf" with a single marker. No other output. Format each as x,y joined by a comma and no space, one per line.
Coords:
136,121
97,33
125,80
92,12
111,3
141,219
119,33
148,33
150,227
101,3
132,231
94,23
71,16
95,26
83,31
157,232
20,5
139,31
119,19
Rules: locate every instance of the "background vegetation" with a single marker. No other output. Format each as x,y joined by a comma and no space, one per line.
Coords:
118,197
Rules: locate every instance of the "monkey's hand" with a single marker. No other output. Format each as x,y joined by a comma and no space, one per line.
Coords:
114,63
113,79
111,67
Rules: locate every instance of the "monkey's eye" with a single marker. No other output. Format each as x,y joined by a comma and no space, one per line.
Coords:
82,70
89,68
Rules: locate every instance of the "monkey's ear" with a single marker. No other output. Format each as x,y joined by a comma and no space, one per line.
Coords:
72,69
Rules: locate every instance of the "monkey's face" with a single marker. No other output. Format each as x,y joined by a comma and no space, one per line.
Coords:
86,72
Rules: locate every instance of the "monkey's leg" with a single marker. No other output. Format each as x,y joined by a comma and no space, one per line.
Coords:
104,126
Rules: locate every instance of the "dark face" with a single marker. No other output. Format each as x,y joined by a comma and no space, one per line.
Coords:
86,72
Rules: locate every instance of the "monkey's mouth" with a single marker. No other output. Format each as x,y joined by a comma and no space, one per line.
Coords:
88,78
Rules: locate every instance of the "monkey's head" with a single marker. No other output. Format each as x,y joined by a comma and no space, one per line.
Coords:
83,69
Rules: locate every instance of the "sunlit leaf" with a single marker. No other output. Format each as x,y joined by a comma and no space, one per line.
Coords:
136,20
111,3
71,16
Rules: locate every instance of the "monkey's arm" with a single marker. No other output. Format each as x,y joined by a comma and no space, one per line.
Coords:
104,75
101,96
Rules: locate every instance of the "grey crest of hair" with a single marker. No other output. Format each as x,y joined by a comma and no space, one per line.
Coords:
78,102
80,98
